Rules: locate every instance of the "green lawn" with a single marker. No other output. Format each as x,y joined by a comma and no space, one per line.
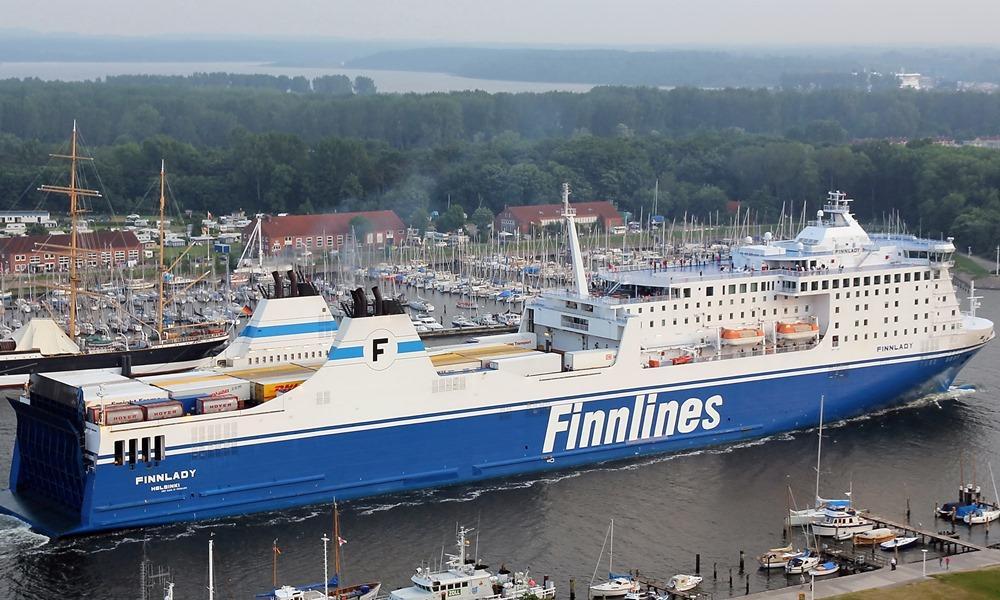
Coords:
967,265
973,585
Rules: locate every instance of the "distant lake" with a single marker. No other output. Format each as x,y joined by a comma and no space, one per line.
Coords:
386,81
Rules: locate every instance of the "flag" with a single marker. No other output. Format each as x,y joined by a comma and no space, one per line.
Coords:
341,541
277,550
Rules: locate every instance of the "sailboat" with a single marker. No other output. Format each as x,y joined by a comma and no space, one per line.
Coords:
816,514
618,585
330,587
41,345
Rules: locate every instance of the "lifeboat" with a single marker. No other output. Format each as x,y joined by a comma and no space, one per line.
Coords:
799,330
742,337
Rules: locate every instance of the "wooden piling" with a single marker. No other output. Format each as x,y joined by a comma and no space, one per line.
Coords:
697,564
572,589
741,562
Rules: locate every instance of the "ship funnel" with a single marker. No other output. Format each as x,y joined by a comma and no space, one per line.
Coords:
278,286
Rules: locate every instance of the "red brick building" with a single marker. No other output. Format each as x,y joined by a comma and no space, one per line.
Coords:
523,218
330,231
35,253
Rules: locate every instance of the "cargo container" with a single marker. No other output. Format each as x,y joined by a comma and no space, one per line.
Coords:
536,363
154,411
189,388
270,382
208,406
115,415
578,360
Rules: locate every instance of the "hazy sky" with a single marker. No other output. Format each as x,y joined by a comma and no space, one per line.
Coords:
578,22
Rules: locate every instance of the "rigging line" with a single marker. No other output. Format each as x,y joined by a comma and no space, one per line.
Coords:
100,182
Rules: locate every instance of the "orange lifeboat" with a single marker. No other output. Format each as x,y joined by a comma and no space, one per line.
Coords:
799,330
742,337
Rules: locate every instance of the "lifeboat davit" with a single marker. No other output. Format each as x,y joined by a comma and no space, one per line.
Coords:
742,337
799,330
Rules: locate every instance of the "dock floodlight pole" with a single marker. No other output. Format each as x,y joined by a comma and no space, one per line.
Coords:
579,277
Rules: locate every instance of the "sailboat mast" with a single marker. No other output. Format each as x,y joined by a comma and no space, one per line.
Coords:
73,277
336,549
74,194
819,445
159,271
611,550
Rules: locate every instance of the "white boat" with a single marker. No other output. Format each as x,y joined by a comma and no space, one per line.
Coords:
827,568
802,563
777,558
465,579
421,305
618,585
982,515
874,536
841,523
816,514
462,321
429,322
899,542
683,583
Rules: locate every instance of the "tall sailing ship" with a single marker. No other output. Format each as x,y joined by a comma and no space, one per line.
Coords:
41,345
635,362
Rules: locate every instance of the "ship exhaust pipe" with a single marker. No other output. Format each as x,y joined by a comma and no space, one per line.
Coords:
278,286
293,284
379,307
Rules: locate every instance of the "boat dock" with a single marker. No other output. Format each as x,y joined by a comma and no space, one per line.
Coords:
904,573
951,545
479,330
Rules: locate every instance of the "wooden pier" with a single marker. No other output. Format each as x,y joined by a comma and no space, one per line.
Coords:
480,330
661,588
945,542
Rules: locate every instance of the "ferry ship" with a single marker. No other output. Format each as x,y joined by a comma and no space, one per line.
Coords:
634,362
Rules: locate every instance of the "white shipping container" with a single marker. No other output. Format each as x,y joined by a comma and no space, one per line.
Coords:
536,363
589,359
121,392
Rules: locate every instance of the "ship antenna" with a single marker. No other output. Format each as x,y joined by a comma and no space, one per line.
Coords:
569,214
973,299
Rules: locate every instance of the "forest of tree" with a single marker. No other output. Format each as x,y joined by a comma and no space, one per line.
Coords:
250,149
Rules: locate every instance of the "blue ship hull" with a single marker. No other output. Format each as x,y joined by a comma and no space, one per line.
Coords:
385,458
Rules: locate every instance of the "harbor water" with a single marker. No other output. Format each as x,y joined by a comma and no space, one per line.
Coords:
667,509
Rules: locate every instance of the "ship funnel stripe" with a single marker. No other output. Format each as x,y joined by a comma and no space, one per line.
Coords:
345,352
253,331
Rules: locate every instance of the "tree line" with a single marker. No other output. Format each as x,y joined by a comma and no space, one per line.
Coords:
206,110
937,190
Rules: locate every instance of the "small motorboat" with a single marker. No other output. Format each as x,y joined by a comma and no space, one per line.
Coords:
874,536
776,558
982,514
827,568
683,583
801,563
836,522
899,542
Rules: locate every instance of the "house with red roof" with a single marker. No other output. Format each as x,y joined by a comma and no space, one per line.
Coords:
524,218
330,231
47,253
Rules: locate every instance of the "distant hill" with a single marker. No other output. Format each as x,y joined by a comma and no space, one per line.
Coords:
700,68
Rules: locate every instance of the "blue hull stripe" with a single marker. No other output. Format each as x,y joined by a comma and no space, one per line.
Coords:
252,331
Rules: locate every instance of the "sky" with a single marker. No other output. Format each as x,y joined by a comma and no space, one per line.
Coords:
595,23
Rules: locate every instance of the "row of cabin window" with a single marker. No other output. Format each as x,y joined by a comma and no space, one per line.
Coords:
140,449
895,332
708,318
258,360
